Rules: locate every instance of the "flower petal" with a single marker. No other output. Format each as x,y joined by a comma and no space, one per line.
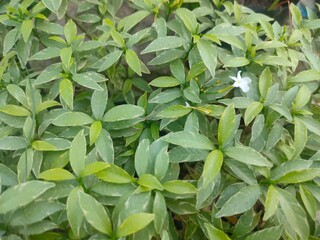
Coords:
236,84
234,78
246,80
245,88
239,75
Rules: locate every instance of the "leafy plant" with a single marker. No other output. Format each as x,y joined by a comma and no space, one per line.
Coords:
189,119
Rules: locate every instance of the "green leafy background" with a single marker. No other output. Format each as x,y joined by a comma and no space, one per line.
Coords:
118,120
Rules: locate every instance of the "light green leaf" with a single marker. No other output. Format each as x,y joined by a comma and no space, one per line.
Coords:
180,187
161,164
160,212
47,53
56,174
95,130
164,81
75,217
133,61
114,174
10,40
215,233
174,111
20,195
282,110
43,146
271,203
142,158
98,103
70,31
123,112
108,60
273,233
46,104
212,166
93,168
66,92
306,76
132,20
208,53
164,43
189,140
12,143
247,155
309,202
26,29
134,223
18,94
7,176
95,213
77,153
241,201
300,137
312,124
150,182
188,19
304,175
52,5
236,62
294,214
226,125
118,38
252,111
265,82
303,97
15,110
87,80
104,146
65,55
72,119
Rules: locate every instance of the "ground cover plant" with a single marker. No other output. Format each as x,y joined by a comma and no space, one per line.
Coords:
157,119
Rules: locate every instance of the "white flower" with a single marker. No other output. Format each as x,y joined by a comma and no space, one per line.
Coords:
241,82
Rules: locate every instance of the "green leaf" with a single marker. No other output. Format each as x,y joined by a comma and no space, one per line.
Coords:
65,55
56,174
294,214
66,92
164,43
77,153
306,76
226,125
95,131
87,80
160,212
108,60
70,31
104,146
75,217
142,158
215,233
188,19
46,104
236,62
252,111
123,112
131,20
150,182
20,195
208,53
98,103
189,140
133,61
7,176
304,175
212,166
134,223
303,97
12,143
247,155
47,53
300,137
265,82
164,81
93,168
43,146
174,111
18,94
52,5
114,174
309,202
72,119
241,201
282,110
118,38
26,29
95,213
10,40
161,164
273,233
311,124
271,203
15,110
180,187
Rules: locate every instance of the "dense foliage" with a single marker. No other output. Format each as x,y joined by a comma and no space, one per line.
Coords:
157,119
